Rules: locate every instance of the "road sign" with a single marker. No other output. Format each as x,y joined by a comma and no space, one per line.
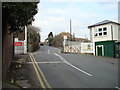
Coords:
65,37
17,43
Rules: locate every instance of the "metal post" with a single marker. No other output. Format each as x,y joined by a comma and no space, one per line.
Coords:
70,31
64,42
25,41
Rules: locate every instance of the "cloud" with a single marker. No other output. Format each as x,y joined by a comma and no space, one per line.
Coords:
81,0
55,17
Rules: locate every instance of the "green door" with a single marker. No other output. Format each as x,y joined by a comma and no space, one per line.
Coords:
99,51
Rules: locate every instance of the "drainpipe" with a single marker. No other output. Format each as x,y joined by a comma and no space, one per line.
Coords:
112,32
112,40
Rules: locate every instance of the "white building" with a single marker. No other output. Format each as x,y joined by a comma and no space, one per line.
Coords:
104,35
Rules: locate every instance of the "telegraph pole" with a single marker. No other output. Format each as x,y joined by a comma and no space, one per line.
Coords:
70,31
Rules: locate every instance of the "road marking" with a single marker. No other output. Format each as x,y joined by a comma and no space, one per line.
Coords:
79,69
37,52
48,85
39,78
61,58
68,63
117,88
52,62
59,51
48,51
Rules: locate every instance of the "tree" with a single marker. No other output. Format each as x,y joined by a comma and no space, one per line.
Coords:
58,39
50,38
33,38
19,14
50,34
15,15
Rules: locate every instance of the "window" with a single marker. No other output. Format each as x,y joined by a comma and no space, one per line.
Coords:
96,30
104,29
96,34
101,31
104,33
100,34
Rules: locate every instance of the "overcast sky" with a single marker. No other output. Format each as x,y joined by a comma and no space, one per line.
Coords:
54,15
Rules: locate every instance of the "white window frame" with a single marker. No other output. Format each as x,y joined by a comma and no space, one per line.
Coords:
97,32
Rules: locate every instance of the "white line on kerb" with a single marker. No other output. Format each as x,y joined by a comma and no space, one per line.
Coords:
68,63
52,62
37,52
48,51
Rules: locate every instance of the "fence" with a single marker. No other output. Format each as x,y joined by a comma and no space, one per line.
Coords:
77,47
20,46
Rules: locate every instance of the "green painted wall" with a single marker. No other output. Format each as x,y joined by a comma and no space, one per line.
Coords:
109,48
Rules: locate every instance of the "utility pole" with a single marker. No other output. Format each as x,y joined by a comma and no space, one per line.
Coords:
70,31
25,41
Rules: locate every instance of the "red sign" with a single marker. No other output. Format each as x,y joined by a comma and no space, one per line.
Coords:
17,43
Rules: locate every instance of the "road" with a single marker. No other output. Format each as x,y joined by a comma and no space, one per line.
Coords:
58,70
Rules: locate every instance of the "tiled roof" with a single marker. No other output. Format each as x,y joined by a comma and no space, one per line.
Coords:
81,39
103,22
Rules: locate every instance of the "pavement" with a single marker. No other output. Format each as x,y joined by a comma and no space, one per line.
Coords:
20,74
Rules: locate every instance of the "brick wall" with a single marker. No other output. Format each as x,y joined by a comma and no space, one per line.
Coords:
7,45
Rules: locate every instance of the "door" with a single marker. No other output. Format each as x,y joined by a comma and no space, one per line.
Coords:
99,50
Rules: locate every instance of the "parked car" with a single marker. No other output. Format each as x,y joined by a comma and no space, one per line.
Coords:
41,43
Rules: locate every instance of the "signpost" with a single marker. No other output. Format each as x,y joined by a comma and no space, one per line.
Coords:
64,42
17,43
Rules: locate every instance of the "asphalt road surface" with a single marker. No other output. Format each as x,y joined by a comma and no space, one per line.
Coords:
58,70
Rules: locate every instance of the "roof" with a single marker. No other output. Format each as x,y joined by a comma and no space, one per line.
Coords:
81,39
103,22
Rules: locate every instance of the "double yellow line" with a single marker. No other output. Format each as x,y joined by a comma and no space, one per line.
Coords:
43,82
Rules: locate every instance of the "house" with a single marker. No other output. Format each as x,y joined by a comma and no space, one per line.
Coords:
104,35
81,40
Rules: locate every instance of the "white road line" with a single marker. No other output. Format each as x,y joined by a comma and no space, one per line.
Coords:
117,88
59,51
68,63
52,62
48,51
79,69
61,58
37,52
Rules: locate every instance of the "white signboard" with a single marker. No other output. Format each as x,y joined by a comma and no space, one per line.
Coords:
86,47
65,37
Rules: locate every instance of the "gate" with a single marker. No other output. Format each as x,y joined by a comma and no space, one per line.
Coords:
78,47
117,49
19,46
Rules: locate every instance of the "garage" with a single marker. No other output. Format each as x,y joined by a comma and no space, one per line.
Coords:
105,48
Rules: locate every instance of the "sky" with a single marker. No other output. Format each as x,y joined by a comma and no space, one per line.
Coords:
55,15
